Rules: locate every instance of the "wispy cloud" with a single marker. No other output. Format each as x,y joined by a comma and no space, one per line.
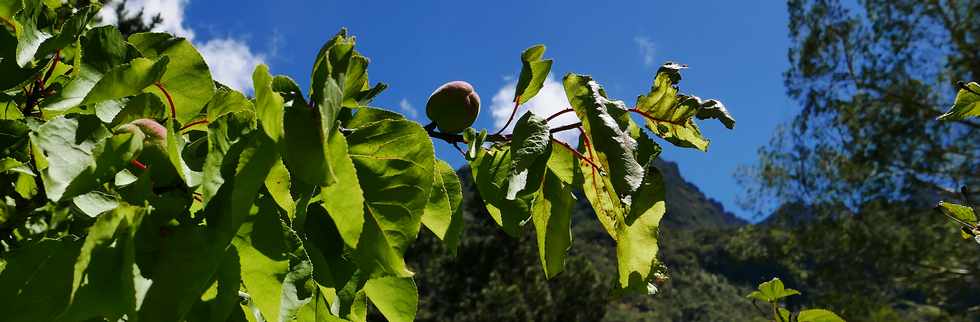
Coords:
549,100
408,109
231,60
647,49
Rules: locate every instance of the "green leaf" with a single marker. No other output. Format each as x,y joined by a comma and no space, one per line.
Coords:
307,137
69,31
95,203
176,288
637,237
81,154
367,115
534,71
269,105
29,36
13,74
274,266
226,100
963,213
531,140
103,48
331,62
344,199
394,162
105,270
551,213
491,172
337,60
671,116
613,146
187,79
127,80
332,268
444,213
397,298
142,106
38,275
772,291
223,133
818,315
278,184
966,105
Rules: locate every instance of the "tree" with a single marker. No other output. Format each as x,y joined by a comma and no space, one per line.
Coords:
871,79
134,186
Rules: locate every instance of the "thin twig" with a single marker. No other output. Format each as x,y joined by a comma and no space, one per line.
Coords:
517,102
553,116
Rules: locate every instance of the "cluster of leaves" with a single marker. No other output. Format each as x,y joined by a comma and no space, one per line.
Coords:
135,186
773,291
529,176
966,106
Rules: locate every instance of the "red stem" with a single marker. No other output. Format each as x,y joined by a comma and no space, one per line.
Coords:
517,102
54,63
553,116
192,124
577,154
170,100
138,164
652,118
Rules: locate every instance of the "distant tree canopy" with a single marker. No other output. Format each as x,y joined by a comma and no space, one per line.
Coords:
870,79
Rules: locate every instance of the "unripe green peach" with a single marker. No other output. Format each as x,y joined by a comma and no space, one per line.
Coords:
153,133
454,106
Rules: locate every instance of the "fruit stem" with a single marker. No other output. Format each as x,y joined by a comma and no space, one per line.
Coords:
170,100
517,102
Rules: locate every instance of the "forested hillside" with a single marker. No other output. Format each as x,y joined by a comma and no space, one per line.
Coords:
880,266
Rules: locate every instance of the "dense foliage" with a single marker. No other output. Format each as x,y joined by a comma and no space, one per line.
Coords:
136,187
870,78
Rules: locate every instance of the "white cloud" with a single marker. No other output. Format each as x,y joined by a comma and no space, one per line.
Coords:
549,100
408,109
647,49
231,60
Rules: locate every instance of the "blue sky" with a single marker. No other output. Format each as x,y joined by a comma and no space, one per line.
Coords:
736,51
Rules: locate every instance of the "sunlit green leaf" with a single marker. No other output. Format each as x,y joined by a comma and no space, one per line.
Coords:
966,105
818,315
638,235
396,297
671,115
394,162
534,71
187,79
444,213
531,141
274,265
552,212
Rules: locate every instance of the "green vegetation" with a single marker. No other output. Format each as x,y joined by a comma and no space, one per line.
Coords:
136,187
